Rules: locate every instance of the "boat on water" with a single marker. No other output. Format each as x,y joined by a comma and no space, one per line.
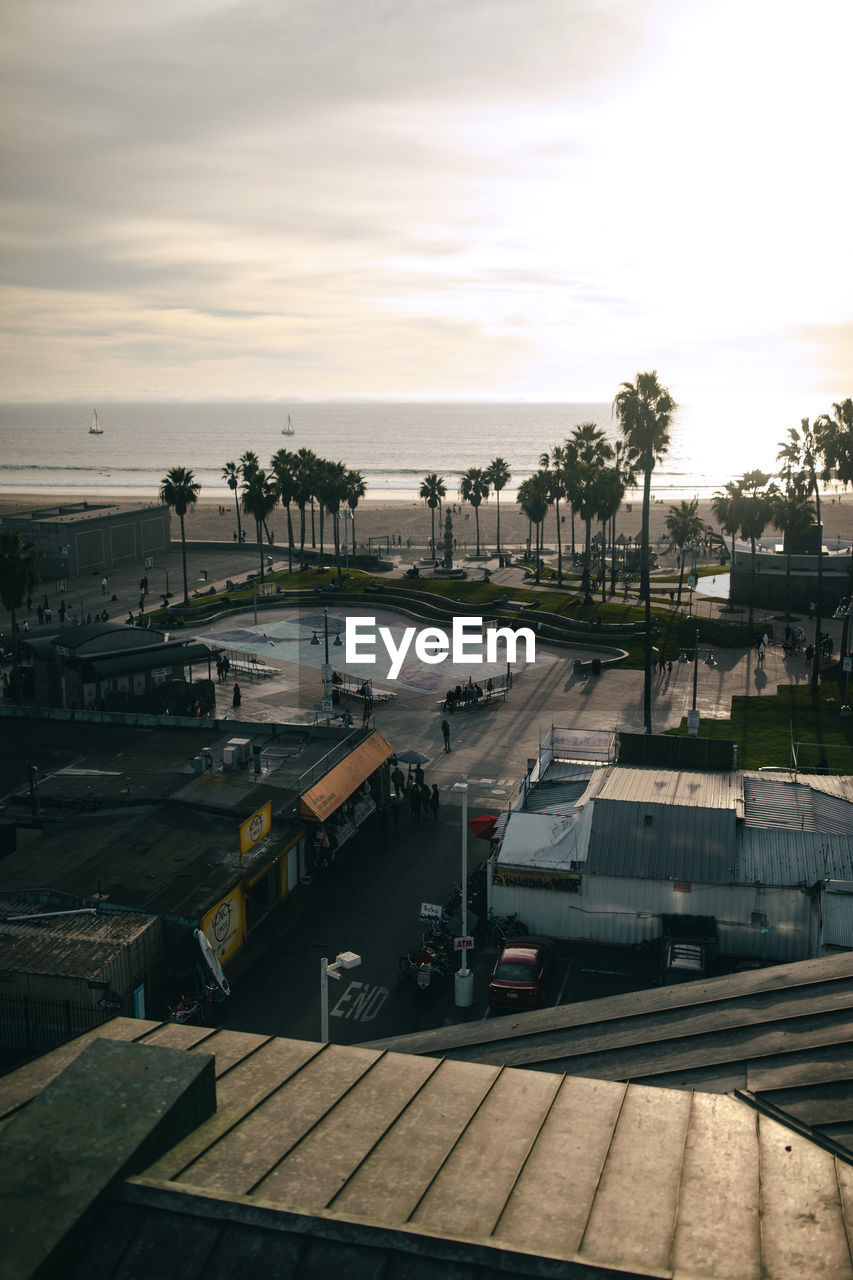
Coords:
95,428
288,429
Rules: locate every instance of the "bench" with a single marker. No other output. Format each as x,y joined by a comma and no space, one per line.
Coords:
496,695
352,688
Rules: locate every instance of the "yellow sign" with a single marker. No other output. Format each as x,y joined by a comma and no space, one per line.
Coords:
255,828
223,925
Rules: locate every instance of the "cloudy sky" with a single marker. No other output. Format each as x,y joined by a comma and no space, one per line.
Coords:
503,199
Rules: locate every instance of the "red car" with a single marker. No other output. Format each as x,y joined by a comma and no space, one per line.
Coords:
519,977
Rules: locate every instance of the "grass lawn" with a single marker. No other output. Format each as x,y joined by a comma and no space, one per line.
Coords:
764,727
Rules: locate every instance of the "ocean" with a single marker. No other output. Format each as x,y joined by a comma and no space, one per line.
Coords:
47,448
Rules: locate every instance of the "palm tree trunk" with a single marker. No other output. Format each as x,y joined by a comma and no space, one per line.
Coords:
587,568
260,535
498,500
572,509
432,533
788,585
645,593
289,541
477,524
680,576
559,545
335,525
301,535
313,535
603,561
237,508
752,585
184,560
613,555
817,620
539,526
322,533
354,547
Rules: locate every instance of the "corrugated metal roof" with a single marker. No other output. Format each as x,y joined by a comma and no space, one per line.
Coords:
829,783
771,855
74,945
837,916
773,802
406,1166
661,841
704,788
557,799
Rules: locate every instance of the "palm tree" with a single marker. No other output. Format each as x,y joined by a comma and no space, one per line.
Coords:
611,491
322,484
756,512
306,462
685,526
498,475
231,476
590,452
260,495
627,480
804,450
18,579
474,488
283,467
533,499
356,489
726,508
793,515
644,409
432,490
249,463
334,493
835,438
179,490
554,462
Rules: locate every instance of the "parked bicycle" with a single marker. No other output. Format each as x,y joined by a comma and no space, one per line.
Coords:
499,929
195,1010
425,970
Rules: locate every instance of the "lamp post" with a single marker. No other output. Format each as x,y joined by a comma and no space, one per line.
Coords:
464,977
344,960
845,660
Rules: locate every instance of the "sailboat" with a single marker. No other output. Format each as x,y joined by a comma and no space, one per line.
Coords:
95,428
288,429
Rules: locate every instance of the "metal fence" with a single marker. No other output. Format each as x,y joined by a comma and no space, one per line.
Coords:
30,1025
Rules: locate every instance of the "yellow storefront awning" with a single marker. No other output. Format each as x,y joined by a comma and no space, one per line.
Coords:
327,795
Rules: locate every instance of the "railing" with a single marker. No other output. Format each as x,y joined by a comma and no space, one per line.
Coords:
30,1025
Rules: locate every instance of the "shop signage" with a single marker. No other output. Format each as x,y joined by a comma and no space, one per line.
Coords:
255,828
431,911
463,944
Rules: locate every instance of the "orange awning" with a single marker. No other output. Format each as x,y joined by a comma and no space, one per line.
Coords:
335,789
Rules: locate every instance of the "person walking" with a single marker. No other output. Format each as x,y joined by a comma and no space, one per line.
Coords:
103,586
415,802
434,801
399,781
236,697
445,729
419,776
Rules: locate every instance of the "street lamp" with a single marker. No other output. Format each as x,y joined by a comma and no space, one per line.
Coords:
464,977
345,960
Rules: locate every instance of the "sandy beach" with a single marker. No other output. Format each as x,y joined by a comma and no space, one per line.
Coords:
375,518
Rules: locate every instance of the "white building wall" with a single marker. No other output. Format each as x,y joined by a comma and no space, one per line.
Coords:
623,912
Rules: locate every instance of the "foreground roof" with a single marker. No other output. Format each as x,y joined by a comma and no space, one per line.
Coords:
325,1159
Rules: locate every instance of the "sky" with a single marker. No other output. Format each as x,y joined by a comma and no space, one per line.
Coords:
479,199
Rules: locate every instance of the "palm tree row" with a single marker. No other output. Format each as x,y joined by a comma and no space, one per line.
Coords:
293,479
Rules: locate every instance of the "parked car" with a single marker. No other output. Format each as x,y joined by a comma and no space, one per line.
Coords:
519,977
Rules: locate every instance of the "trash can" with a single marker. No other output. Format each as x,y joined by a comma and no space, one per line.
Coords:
596,666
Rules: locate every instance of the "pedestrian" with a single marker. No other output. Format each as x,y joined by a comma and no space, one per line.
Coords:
445,729
40,615
142,602
434,801
419,776
103,586
365,715
226,665
29,603
399,781
669,667
219,669
415,802
236,697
